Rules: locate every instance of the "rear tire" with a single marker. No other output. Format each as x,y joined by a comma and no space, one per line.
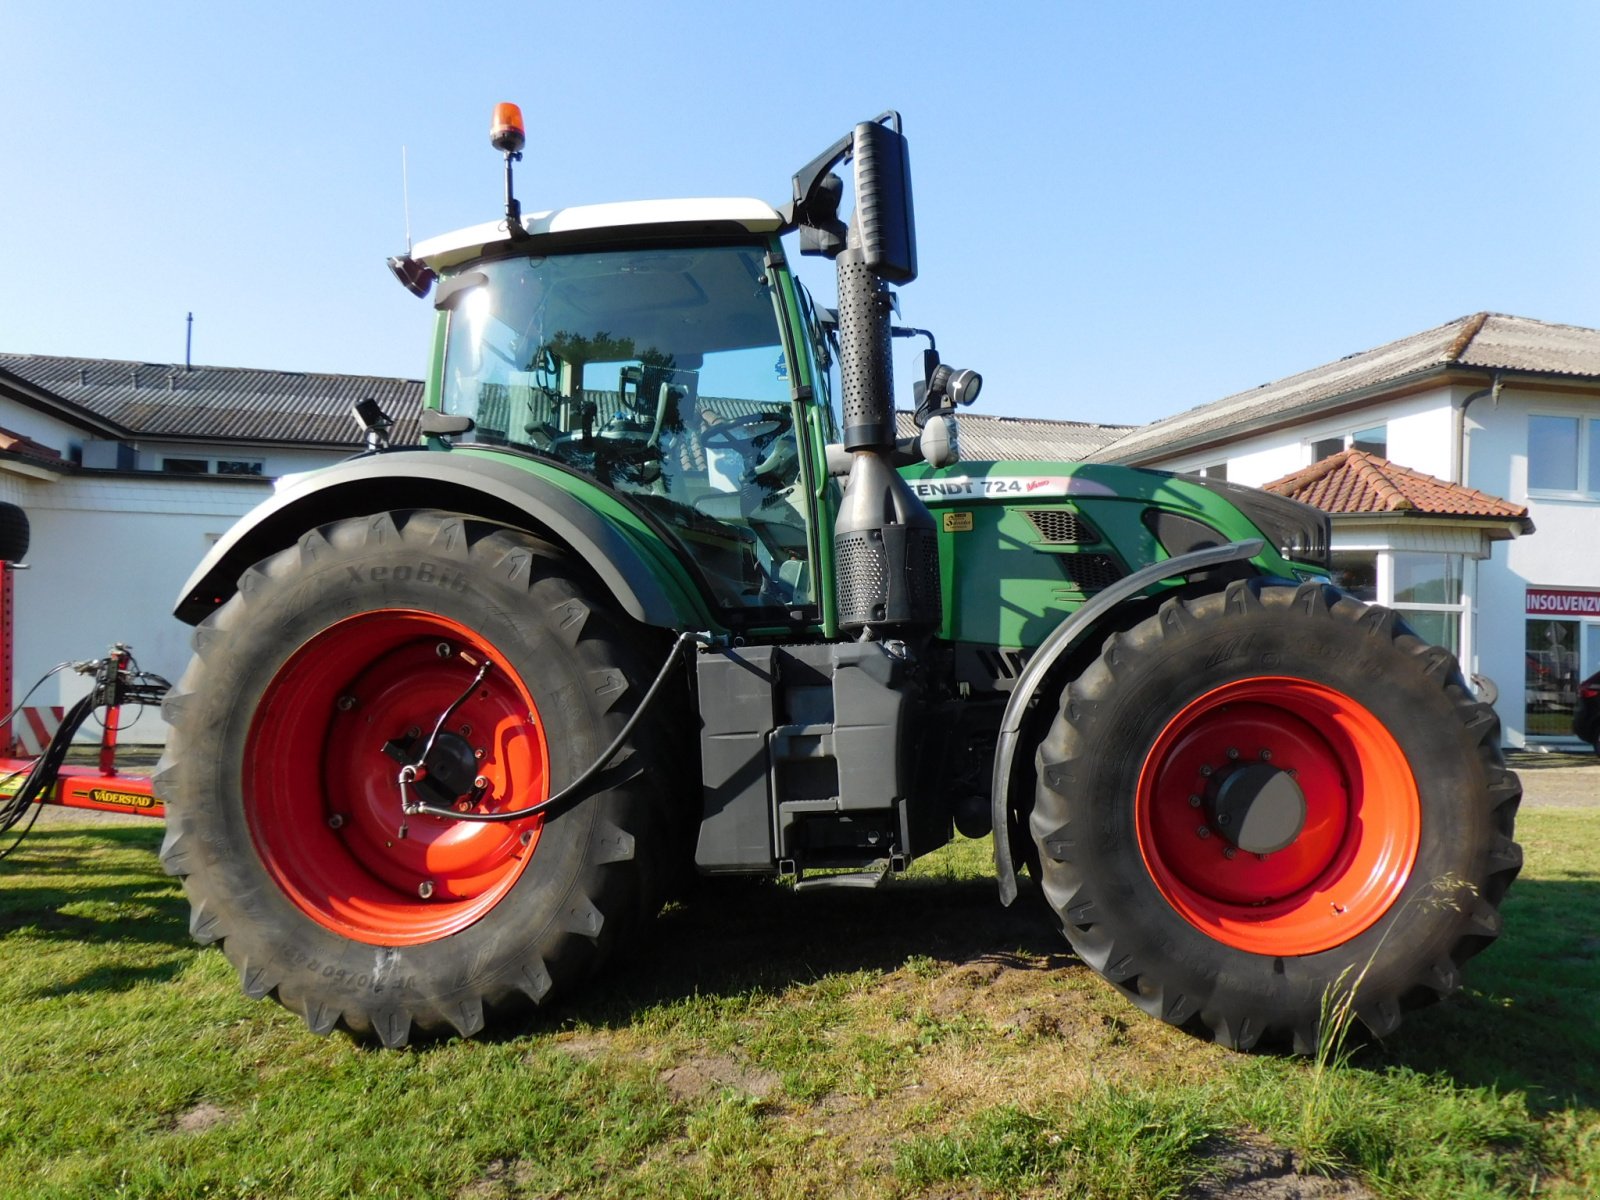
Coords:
1380,840
281,781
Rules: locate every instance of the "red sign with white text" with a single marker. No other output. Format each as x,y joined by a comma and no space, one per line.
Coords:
1562,602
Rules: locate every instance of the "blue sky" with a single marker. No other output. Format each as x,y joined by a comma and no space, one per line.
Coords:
1123,210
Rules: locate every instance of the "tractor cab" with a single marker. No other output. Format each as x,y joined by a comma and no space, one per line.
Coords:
660,369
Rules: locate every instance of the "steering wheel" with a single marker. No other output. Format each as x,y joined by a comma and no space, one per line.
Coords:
738,433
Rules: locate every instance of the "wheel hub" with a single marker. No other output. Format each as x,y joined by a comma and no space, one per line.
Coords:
1259,808
1277,815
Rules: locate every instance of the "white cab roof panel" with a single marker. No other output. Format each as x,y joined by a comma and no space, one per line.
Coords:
446,250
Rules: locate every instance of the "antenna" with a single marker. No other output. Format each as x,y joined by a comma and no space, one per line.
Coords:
188,343
405,197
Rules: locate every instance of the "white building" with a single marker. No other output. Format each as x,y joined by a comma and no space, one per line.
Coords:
1505,409
128,472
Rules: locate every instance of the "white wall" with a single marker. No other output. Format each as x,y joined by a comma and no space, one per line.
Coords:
275,460
1420,437
108,558
48,431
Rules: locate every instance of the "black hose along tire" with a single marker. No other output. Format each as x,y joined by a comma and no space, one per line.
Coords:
332,665
1259,798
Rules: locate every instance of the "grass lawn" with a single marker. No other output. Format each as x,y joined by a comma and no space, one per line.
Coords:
916,1041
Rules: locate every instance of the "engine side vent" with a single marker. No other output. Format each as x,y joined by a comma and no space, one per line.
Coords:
1059,527
1090,573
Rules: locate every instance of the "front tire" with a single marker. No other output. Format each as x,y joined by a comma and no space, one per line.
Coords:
308,689
1256,799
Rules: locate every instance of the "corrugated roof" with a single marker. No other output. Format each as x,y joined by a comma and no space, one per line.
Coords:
218,403
1354,482
987,438
243,404
1484,341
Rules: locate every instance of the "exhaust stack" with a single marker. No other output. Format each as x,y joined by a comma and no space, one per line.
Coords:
885,549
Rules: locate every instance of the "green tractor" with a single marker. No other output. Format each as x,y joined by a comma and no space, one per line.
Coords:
662,591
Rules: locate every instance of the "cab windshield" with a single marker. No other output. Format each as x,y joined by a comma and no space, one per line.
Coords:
659,373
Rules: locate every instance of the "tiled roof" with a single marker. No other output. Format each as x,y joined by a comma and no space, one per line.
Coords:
986,438
238,404
1482,341
1354,482
16,443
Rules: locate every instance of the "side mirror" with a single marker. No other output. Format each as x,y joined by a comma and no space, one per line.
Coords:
884,213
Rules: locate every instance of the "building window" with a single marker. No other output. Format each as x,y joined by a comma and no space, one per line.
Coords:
1550,677
1372,440
1356,571
1563,455
1426,591
1213,471
1562,649
203,466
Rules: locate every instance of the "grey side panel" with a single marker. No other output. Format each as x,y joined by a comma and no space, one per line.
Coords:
409,479
1062,639
736,715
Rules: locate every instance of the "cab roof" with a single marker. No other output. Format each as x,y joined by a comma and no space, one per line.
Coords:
569,225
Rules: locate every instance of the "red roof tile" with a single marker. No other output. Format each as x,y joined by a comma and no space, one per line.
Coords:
1354,481
16,443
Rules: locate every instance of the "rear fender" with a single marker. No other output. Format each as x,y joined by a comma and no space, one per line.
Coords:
408,479
1063,638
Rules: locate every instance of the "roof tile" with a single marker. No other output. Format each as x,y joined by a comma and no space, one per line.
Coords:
1355,482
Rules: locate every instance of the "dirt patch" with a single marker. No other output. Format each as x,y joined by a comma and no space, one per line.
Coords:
201,1117
583,1046
703,1074
1558,780
502,1177
1252,1169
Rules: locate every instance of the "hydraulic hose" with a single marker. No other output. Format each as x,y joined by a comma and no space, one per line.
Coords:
584,778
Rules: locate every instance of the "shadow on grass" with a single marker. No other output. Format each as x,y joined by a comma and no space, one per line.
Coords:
88,897
1525,1020
735,938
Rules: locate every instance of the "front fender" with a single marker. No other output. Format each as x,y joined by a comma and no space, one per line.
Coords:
476,485
1063,638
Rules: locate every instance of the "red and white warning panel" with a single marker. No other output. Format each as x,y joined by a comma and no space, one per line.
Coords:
33,728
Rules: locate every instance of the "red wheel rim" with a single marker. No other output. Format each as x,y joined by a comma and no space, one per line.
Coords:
1352,855
322,797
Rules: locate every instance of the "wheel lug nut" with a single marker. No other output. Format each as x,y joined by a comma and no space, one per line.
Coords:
478,754
1232,753
481,782
425,889
345,703
1222,818
443,650
1194,801
335,820
1229,852
466,731
527,837
1202,832
413,733
1266,755
1207,771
